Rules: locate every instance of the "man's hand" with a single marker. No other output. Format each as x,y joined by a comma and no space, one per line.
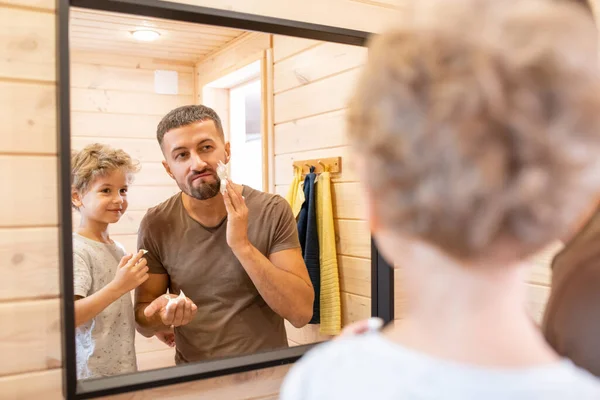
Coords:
167,337
237,218
179,313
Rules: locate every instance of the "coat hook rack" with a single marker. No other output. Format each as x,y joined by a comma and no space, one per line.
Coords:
331,164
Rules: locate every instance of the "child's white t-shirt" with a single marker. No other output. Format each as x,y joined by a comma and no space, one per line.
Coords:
373,367
105,346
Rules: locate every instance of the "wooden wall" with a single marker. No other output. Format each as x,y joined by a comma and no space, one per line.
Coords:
312,82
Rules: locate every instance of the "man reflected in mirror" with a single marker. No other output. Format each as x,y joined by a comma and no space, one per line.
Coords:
235,253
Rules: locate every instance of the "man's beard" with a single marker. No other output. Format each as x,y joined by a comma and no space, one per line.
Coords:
203,192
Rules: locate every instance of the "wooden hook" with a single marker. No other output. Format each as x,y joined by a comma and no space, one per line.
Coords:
323,165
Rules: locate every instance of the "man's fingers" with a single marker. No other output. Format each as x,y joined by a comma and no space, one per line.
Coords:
187,312
179,310
233,195
155,306
228,203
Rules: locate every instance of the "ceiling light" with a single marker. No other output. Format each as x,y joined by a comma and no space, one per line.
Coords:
145,35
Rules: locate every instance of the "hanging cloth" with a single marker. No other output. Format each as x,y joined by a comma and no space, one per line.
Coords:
330,310
309,240
295,194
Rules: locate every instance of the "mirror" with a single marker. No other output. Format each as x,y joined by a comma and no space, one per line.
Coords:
283,259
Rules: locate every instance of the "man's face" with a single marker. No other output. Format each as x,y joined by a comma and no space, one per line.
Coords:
192,153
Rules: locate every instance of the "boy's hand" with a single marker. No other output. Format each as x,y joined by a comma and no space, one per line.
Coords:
132,272
179,313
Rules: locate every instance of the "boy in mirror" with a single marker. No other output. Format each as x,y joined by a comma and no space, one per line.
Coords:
103,274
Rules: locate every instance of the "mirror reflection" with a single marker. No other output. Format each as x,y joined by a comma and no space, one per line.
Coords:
215,212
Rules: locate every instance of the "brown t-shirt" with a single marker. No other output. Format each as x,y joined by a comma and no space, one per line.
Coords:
232,319
572,318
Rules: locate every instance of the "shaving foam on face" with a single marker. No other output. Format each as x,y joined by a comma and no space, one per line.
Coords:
222,174
173,300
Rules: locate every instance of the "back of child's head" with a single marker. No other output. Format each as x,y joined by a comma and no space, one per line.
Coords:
98,160
480,124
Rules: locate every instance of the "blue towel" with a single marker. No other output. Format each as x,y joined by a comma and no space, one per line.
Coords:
309,240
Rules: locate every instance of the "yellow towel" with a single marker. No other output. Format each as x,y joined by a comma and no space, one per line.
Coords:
331,314
295,194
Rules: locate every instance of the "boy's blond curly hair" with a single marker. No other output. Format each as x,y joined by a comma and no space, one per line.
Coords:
97,160
480,123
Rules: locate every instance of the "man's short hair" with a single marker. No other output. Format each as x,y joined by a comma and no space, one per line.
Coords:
187,115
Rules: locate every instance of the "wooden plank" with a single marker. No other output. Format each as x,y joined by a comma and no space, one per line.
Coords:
349,201
110,101
318,132
353,238
143,150
143,63
128,225
45,385
111,19
268,142
286,46
305,335
122,36
315,98
128,47
28,116
284,170
146,345
34,345
245,385
354,308
144,197
29,261
233,56
93,76
355,275
156,359
128,241
32,183
214,36
100,125
316,63
218,100
27,45
153,174
537,297
119,50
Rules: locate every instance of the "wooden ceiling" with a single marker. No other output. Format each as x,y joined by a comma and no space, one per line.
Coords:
108,32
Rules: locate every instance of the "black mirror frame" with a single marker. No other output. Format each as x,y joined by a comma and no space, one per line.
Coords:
382,286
